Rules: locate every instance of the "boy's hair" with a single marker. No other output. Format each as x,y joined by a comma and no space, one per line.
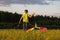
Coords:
26,11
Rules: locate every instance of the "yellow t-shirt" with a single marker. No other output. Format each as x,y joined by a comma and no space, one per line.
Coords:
25,17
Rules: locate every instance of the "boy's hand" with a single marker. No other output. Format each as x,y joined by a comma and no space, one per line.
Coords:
33,14
19,21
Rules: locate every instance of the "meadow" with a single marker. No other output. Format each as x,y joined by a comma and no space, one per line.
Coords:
18,34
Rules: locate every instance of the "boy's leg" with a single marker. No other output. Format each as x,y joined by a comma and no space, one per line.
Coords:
24,26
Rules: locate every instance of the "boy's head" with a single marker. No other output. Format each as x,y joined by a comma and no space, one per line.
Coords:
26,11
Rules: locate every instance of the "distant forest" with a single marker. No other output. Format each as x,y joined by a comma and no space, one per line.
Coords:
9,20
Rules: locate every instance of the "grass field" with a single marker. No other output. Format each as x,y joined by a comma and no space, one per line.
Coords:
17,34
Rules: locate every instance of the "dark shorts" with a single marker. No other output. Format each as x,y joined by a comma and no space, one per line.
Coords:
25,25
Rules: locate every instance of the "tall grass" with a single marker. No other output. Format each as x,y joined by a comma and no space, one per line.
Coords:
17,34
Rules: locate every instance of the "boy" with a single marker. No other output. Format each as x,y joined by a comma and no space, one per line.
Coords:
25,19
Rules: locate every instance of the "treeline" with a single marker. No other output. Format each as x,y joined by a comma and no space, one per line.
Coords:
9,17
10,20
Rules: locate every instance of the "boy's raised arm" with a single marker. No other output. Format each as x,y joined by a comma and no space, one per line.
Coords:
32,15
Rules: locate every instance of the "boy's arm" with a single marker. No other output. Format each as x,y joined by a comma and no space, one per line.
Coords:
20,19
32,15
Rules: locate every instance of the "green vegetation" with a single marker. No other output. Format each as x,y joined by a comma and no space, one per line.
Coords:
10,20
17,34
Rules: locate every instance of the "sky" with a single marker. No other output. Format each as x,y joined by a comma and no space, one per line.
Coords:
40,7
